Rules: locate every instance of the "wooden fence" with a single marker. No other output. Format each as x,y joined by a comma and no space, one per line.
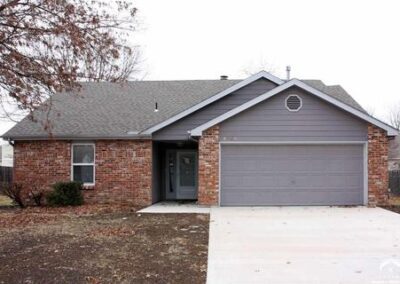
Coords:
394,182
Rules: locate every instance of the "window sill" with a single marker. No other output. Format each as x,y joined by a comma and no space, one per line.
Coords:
88,187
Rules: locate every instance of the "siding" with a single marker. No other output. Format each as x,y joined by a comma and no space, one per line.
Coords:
315,121
179,129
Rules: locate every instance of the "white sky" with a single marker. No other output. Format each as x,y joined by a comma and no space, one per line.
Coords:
352,43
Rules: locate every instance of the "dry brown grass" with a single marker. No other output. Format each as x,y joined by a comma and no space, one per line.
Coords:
99,245
5,201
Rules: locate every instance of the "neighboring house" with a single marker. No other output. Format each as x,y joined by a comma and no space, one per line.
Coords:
258,141
6,154
394,154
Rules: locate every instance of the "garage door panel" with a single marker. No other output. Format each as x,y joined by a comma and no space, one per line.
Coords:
291,174
244,165
286,198
306,180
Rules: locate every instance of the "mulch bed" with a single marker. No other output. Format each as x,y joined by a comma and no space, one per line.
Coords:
101,244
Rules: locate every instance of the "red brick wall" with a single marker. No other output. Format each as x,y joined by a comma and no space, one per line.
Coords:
123,169
378,176
41,163
123,172
209,167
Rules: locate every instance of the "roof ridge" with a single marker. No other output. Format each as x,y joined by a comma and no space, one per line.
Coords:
147,81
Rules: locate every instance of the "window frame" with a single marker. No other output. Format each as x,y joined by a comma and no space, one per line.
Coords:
300,106
84,164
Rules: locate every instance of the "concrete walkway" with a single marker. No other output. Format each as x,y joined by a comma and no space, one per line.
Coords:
304,245
176,207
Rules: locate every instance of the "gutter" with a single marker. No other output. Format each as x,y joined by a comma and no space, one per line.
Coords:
42,138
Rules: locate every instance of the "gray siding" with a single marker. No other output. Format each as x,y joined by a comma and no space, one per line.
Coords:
315,121
179,130
292,175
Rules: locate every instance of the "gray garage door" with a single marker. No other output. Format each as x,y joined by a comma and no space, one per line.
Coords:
291,174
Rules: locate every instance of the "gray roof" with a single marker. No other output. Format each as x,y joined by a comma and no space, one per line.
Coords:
109,110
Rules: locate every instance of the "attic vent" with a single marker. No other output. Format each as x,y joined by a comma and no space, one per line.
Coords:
293,103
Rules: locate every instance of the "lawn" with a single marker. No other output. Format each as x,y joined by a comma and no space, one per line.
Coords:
101,245
5,201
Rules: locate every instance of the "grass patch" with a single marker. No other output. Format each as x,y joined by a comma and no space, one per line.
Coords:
5,201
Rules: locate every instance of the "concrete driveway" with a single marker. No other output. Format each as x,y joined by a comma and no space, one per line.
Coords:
304,245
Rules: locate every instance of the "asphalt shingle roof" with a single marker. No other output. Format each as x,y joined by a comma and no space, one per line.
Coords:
107,110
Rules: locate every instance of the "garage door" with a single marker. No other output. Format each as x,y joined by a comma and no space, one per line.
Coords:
291,174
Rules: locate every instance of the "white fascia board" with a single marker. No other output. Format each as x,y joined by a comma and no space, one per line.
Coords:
198,131
241,84
390,130
294,82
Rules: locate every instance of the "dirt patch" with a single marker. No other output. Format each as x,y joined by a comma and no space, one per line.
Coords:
98,247
394,208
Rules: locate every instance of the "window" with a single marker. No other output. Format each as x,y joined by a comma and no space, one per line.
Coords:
293,103
83,163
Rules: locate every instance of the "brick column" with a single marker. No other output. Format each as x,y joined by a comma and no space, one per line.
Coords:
209,167
378,176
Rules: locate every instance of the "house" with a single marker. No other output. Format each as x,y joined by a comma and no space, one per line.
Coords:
394,154
257,141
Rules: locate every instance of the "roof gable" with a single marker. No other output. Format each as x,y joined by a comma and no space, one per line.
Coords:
220,95
295,82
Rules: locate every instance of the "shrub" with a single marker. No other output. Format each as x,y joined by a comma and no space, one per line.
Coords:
66,193
14,192
36,194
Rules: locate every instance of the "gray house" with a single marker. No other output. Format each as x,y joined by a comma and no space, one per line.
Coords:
257,141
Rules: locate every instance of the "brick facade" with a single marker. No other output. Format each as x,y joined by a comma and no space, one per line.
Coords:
123,169
378,175
39,164
208,185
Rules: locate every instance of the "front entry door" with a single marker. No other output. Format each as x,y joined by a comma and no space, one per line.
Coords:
186,177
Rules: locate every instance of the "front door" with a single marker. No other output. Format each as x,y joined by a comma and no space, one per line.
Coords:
181,174
186,174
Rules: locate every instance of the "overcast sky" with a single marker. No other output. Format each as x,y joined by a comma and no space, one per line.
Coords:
352,43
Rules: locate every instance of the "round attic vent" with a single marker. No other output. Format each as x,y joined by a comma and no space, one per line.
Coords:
293,103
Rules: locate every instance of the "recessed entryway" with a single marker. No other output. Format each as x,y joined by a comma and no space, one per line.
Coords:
181,174
175,171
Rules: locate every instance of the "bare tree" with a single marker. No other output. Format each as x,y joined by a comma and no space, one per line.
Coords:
48,46
394,115
370,110
256,66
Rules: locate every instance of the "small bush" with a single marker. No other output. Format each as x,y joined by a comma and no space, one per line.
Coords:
66,193
14,192
36,195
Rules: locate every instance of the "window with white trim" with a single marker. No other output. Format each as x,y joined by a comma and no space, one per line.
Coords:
83,163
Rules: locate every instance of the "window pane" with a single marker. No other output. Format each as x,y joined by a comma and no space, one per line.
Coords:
83,153
83,174
187,169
